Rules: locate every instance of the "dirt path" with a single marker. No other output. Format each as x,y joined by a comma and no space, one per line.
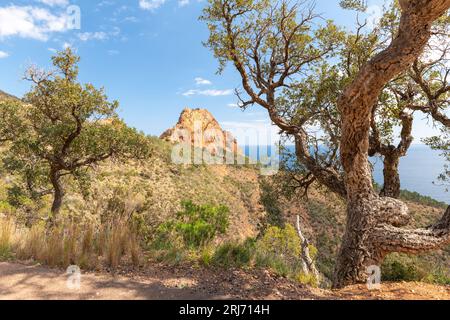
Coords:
20,281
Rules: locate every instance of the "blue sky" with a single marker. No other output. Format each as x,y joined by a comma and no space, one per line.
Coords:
148,54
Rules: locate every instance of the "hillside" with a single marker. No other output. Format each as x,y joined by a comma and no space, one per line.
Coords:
155,188
254,202
149,193
4,95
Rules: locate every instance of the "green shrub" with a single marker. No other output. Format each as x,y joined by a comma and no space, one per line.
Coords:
280,250
438,277
196,225
6,208
172,256
270,201
234,254
206,256
275,263
281,242
307,279
400,268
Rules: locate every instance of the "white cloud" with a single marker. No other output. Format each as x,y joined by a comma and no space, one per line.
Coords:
98,35
131,19
51,3
3,54
211,93
105,3
113,52
183,3
201,81
151,4
233,105
30,22
86,36
115,31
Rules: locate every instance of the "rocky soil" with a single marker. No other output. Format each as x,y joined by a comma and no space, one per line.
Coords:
27,281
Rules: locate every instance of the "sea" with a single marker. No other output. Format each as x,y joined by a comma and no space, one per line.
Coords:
419,170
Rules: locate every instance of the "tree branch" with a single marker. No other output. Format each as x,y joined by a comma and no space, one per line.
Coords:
395,239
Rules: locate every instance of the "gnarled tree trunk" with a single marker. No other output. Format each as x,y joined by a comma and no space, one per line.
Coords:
391,186
374,224
391,154
58,193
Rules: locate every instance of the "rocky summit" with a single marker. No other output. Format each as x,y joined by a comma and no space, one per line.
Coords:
201,129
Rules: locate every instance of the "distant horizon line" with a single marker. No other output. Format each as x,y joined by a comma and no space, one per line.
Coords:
293,145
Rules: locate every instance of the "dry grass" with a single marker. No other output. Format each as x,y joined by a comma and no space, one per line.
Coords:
88,245
6,237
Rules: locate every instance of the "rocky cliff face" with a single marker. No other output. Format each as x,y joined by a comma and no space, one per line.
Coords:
201,129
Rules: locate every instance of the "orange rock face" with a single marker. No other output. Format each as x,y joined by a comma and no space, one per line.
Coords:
201,129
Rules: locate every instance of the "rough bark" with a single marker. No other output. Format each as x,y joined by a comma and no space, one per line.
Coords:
391,187
391,238
391,154
366,211
58,193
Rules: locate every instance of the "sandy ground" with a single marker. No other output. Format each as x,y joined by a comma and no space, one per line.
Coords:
22,281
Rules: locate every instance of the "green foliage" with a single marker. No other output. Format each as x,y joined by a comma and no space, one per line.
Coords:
438,277
196,225
11,123
66,128
17,197
399,268
6,207
278,249
269,200
307,279
282,242
235,254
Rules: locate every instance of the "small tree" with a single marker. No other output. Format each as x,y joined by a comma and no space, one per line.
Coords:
68,129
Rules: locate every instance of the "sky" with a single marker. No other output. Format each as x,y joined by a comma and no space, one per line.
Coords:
148,54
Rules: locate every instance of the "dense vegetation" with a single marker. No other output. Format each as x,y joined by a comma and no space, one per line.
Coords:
79,186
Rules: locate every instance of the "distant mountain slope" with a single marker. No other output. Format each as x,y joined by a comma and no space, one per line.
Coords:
4,95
